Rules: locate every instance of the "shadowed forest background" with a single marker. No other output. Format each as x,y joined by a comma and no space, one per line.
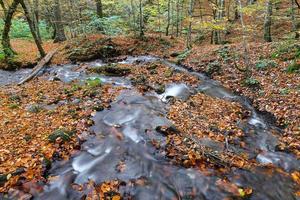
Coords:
150,99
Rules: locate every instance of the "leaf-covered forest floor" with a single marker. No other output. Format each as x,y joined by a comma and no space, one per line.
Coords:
43,121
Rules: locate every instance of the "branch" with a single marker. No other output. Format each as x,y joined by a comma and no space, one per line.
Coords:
298,5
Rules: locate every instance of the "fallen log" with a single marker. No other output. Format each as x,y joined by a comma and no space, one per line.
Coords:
38,67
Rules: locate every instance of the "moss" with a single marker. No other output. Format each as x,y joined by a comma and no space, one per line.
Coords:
60,133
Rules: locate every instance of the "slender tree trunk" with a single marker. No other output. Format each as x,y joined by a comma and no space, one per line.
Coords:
294,21
189,34
268,22
59,26
133,16
177,18
99,8
3,7
159,18
245,42
141,20
36,18
8,51
219,15
169,18
32,29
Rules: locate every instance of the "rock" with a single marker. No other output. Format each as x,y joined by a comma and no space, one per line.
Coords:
175,54
111,70
164,130
86,50
34,108
17,194
160,89
59,133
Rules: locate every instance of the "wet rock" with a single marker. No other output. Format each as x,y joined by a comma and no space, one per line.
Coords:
4,177
175,54
169,73
160,89
140,79
17,194
279,159
46,165
111,70
180,91
164,130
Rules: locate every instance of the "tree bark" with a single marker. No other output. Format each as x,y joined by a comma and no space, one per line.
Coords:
219,15
169,18
32,29
141,20
245,42
36,18
294,21
189,34
59,26
8,51
3,7
99,8
268,22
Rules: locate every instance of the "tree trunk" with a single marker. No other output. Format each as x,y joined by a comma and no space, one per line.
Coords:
268,22
169,18
3,7
8,51
219,15
177,18
189,34
141,20
159,18
133,16
59,26
245,42
32,29
36,18
294,21
99,8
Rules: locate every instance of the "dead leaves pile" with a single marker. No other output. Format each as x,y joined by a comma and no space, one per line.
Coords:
204,118
278,92
31,113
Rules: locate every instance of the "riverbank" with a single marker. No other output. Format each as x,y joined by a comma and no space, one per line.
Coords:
213,130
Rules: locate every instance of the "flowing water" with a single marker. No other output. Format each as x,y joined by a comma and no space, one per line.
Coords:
124,132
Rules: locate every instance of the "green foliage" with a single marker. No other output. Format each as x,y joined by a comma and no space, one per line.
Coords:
112,25
93,82
213,67
293,67
287,50
181,57
251,82
20,29
224,53
264,64
13,106
284,91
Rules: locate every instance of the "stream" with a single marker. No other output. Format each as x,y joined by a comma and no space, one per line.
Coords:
134,117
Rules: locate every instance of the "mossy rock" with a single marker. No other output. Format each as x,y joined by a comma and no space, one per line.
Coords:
10,64
160,89
86,50
111,70
139,80
60,133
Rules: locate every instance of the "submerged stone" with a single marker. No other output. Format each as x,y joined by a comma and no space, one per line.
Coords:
111,70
